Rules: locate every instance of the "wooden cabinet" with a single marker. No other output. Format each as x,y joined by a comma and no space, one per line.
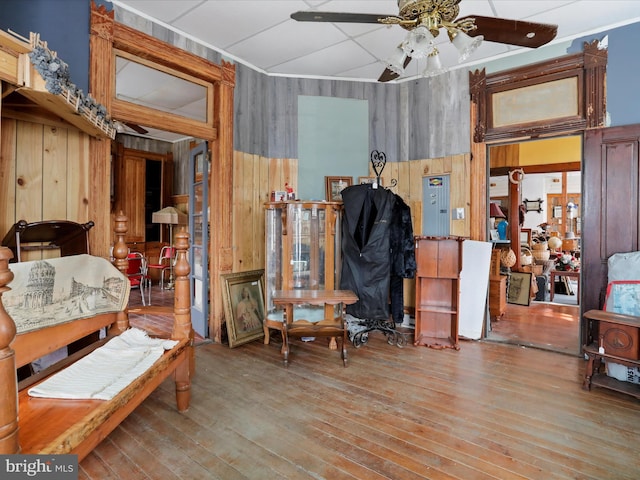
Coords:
303,252
143,184
497,296
616,342
439,261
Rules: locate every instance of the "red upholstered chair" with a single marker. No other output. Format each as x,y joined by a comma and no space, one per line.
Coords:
167,257
137,273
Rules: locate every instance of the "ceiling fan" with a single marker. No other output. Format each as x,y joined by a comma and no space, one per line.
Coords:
425,18
137,128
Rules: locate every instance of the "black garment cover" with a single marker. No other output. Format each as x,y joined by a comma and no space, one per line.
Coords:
366,257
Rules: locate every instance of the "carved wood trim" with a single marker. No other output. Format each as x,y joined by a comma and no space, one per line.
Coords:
595,65
589,69
101,21
477,88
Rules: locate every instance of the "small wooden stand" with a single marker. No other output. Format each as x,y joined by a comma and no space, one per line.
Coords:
617,342
331,326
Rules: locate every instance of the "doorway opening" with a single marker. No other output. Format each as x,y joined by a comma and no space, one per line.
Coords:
549,205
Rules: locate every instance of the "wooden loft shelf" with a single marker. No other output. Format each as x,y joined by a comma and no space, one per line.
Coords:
66,107
17,70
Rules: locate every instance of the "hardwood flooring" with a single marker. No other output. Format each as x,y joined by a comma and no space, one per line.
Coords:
543,325
488,411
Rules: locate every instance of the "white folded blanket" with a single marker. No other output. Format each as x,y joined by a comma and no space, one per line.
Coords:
107,370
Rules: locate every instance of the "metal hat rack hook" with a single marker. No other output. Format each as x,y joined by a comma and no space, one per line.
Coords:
378,162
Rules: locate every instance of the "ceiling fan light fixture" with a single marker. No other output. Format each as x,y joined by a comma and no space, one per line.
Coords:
465,44
419,43
434,65
396,62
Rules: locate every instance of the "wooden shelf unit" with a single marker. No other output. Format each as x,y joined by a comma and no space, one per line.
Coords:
439,261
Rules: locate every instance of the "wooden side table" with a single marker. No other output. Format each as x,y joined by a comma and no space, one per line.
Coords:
497,296
330,326
617,342
563,273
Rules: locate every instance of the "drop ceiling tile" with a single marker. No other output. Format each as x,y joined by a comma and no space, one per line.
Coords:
297,39
222,23
329,61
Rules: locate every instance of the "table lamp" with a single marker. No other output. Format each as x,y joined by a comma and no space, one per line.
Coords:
495,212
170,216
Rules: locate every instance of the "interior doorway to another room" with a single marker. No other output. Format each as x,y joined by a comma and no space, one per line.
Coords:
550,206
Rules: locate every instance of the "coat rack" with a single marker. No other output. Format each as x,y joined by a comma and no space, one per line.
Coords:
359,329
378,161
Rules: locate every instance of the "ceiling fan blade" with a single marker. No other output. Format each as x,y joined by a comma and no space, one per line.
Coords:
513,32
389,74
335,17
136,128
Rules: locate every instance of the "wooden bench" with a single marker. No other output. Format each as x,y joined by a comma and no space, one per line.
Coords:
55,426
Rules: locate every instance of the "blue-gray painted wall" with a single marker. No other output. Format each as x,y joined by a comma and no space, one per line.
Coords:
63,24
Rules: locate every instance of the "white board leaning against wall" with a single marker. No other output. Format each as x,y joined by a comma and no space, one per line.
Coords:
474,282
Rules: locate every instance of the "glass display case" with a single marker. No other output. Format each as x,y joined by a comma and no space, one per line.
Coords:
303,248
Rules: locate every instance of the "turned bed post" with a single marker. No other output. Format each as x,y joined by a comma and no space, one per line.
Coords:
182,328
9,443
120,260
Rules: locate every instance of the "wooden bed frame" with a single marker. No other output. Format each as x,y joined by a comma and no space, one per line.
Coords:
51,426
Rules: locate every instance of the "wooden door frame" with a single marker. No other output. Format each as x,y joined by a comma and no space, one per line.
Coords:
589,70
108,36
589,67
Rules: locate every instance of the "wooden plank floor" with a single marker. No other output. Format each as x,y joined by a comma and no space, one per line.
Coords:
542,325
488,411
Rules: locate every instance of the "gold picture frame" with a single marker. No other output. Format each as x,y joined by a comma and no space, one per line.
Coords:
334,187
243,298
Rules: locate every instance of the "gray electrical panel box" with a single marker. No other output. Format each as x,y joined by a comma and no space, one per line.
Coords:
435,206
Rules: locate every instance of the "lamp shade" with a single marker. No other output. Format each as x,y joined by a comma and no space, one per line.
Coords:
419,42
465,44
434,66
169,215
397,60
495,211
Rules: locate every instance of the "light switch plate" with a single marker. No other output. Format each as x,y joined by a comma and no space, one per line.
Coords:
457,214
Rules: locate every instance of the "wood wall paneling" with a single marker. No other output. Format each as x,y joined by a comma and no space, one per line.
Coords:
243,217
29,194
461,194
55,164
44,175
78,178
8,182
